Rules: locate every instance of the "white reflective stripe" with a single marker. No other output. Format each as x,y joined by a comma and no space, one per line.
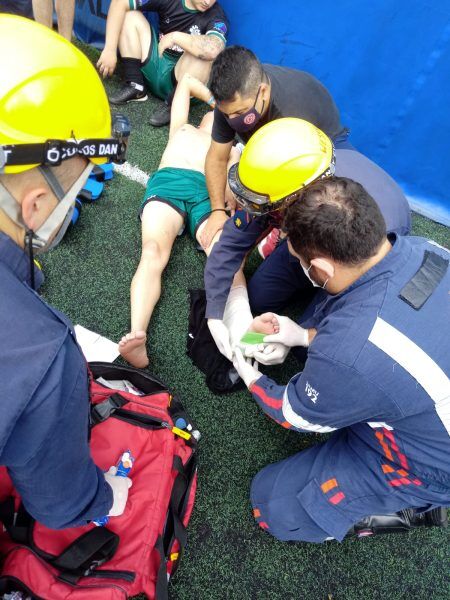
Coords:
375,424
433,243
417,363
297,421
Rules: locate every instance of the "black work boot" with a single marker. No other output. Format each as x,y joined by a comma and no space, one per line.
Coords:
161,116
399,522
129,92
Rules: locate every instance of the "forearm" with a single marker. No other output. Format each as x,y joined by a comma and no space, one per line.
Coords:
216,179
205,47
114,23
269,397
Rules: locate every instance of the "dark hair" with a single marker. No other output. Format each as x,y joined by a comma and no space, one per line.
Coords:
335,218
235,70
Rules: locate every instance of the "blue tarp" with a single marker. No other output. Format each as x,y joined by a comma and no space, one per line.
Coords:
386,63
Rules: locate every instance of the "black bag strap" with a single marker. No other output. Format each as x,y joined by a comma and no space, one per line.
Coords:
103,410
422,285
82,556
161,588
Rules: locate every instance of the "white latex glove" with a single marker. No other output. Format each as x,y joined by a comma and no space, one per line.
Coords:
221,336
120,486
271,354
249,373
290,333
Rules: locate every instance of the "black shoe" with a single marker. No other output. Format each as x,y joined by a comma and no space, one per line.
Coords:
161,116
403,520
128,93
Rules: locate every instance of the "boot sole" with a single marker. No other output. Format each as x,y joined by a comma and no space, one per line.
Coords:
143,99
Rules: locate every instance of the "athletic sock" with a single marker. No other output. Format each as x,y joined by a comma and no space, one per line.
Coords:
132,72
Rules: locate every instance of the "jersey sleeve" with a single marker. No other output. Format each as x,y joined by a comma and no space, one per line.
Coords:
145,5
221,131
239,234
218,25
326,396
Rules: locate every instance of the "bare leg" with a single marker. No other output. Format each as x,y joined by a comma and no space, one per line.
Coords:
43,12
65,11
160,226
135,36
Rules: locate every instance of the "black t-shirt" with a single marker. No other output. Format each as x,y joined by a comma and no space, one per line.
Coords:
293,94
175,16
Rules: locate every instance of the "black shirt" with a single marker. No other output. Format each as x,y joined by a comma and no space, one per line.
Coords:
293,94
175,16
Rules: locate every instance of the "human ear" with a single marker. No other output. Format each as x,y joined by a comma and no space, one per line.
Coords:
32,204
324,265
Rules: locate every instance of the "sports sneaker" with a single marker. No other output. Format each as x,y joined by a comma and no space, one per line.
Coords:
269,243
130,92
161,116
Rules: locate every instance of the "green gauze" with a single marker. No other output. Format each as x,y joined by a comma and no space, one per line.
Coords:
251,337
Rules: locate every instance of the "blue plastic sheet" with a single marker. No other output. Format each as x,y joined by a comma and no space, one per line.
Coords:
386,63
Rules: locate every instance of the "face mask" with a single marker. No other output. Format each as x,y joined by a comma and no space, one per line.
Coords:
59,220
315,284
246,121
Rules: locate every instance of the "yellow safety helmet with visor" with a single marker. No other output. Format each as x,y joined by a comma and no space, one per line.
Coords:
278,161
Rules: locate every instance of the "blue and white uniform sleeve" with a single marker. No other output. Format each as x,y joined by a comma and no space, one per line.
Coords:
324,397
239,235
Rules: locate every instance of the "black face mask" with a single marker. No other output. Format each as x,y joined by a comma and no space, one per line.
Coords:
248,120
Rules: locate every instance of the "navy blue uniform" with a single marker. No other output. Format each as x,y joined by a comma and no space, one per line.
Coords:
44,406
377,376
280,276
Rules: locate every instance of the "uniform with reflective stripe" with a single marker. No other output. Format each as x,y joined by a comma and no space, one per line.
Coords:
377,371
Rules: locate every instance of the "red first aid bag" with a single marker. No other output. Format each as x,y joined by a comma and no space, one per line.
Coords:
136,552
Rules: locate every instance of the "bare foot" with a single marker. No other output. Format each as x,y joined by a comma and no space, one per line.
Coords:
266,323
132,348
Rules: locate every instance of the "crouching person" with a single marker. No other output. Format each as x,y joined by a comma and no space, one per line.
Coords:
44,398
375,377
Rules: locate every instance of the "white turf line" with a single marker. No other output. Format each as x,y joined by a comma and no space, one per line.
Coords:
132,172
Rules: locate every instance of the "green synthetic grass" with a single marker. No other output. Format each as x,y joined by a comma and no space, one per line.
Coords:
228,556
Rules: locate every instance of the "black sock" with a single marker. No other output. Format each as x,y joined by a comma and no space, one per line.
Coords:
132,71
169,98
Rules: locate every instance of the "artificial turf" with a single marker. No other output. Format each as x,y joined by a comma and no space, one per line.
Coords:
227,556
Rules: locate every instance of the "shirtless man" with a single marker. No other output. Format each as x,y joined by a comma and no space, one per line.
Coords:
176,196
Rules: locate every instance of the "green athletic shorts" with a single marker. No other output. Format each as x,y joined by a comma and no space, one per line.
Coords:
158,70
182,189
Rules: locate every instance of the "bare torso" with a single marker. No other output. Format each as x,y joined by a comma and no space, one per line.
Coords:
187,149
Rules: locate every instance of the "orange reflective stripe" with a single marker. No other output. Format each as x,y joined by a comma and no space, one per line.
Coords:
286,425
387,468
256,513
387,451
328,485
402,472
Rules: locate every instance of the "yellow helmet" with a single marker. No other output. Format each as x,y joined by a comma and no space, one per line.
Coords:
278,161
52,102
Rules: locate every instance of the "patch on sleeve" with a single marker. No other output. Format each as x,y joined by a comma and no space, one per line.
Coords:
242,219
220,27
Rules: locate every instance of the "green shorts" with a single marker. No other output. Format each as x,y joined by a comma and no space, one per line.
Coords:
158,70
182,189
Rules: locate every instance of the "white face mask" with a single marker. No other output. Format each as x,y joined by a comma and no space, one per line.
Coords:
315,284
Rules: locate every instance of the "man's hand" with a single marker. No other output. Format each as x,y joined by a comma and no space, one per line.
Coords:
166,42
287,332
230,201
107,62
268,354
221,336
120,487
248,373
215,223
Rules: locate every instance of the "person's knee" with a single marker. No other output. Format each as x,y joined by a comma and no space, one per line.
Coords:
279,512
152,254
133,21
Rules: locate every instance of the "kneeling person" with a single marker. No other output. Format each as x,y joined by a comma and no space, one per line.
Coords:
176,196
